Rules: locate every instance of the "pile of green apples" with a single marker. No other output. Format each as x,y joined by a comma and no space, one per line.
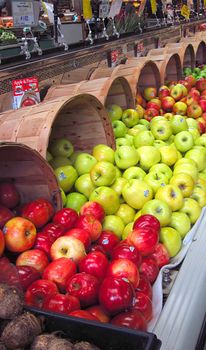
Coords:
197,72
158,168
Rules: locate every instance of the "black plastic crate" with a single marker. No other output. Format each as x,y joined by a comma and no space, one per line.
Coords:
105,336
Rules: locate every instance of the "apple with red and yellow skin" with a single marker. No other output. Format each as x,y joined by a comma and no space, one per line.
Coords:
161,255
81,234
91,224
191,80
19,234
107,198
185,183
180,108
201,125
194,92
163,92
144,239
124,268
150,113
201,84
67,247
176,92
154,103
149,93
168,103
5,215
35,258
98,312
191,100
202,103
2,243
139,99
194,111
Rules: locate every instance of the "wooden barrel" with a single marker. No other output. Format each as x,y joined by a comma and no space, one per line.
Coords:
80,118
30,172
170,67
200,53
189,56
106,90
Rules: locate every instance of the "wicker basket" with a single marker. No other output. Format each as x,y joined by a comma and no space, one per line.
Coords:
80,118
30,173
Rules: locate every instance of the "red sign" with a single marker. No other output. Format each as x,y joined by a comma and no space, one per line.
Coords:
139,49
25,92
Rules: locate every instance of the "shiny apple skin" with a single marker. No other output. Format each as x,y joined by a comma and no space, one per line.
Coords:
95,263
40,290
61,303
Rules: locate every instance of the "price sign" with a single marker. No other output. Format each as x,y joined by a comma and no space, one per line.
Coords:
116,57
185,12
204,3
139,48
153,6
115,8
25,13
104,9
87,9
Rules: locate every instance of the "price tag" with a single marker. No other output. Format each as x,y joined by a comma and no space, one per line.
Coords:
113,58
185,12
87,9
104,9
139,48
153,6
115,8
24,14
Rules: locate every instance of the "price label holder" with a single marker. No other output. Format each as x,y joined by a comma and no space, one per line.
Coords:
139,48
25,13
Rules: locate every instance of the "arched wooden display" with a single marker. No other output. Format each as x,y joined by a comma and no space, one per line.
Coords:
170,67
31,174
106,90
200,53
185,51
80,118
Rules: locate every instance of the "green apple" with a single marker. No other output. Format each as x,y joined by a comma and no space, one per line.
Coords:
178,123
74,156
113,223
84,185
159,209
63,196
202,175
199,194
201,183
171,239
145,122
137,215
126,156
119,128
84,163
114,112
107,197
148,156
136,193
136,129
198,154
159,143
103,174
184,141
61,147
134,172
156,180
185,183
201,140
162,168
195,133
128,228
75,201
192,208
130,138
49,157
59,161
130,117
103,152
169,154
66,177
143,138
192,123
123,141
170,140
181,223
172,195
118,185
118,172
161,129
187,169
126,213
185,161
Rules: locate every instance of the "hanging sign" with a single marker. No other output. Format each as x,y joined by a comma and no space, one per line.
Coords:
25,92
185,12
153,6
87,9
104,9
204,3
115,8
25,13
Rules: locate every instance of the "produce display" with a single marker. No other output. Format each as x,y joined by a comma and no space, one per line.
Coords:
7,36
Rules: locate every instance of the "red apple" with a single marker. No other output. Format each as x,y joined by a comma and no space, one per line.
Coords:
59,271
131,319
108,240
82,235
202,103
2,243
139,99
39,212
97,311
94,209
53,231
144,239
27,275
95,263
161,255
40,290
201,84
5,215
191,80
147,220
144,285
163,91
168,103
60,303
150,113
124,268
201,125
67,247
154,103
203,94
83,314
66,217
192,100
43,243
194,111
194,93
98,248
20,234
85,287
9,196
35,258
123,250
143,304
115,295
90,224
150,268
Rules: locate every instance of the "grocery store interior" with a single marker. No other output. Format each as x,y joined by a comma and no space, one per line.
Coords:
103,174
